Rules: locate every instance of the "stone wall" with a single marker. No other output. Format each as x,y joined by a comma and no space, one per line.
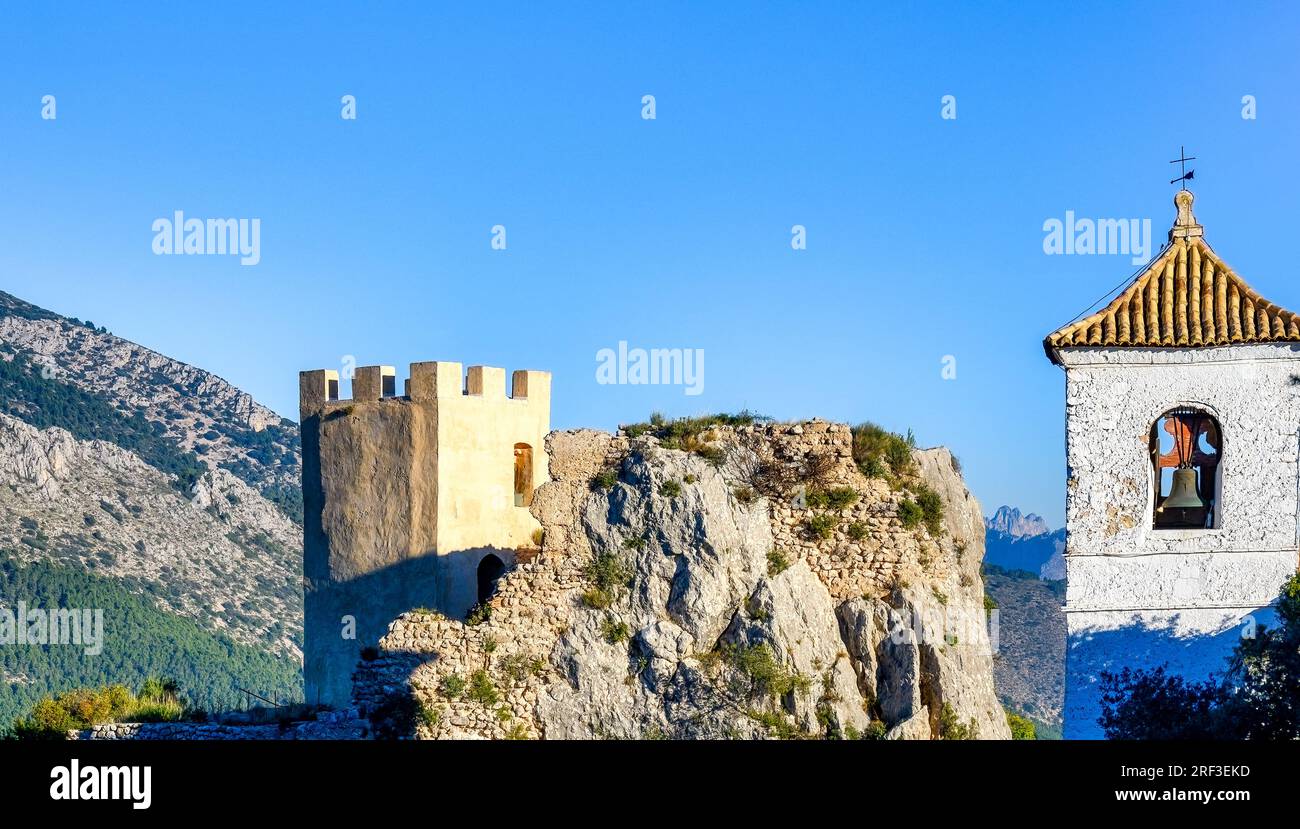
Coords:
328,725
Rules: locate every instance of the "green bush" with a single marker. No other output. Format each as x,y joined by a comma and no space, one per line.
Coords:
520,666
745,495
877,450
840,497
614,630
910,513
776,562
451,686
766,676
1022,728
597,599
604,479
821,526
670,489
478,614
481,689
931,509
53,716
951,728
858,531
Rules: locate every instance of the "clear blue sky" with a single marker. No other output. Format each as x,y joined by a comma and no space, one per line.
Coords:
924,234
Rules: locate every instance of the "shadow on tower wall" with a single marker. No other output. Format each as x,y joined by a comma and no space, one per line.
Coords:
1146,646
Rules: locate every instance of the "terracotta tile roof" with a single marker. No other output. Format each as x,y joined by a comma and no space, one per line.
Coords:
1186,298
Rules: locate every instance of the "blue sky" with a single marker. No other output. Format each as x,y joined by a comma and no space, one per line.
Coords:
924,235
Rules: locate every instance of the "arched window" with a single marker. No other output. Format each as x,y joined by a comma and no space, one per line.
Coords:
490,570
1185,448
523,475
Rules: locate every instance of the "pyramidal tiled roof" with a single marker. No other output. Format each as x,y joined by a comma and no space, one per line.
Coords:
1186,298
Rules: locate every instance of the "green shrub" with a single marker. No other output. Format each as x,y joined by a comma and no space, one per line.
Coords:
776,562
605,479
614,630
481,689
874,731
478,614
670,489
821,526
451,686
519,666
910,513
714,454
597,599
951,728
1022,728
931,509
841,497
745,495
430,716
875,448
858,531
53,716
682,432
766,676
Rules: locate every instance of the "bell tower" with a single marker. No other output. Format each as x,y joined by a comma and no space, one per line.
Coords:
1182,469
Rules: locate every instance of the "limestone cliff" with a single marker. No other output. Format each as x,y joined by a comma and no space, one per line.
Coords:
757,586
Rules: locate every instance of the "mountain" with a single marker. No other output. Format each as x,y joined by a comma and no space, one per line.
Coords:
174,491
1029,669
1024,542
1009,521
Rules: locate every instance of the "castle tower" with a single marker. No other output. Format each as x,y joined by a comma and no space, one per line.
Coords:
419,500
1182,406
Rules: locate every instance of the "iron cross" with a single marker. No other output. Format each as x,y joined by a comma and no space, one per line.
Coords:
1182,160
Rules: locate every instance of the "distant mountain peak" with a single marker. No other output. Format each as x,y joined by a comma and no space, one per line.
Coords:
1010,521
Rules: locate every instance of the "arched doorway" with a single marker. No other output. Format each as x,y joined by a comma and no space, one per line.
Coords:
523,475
490,569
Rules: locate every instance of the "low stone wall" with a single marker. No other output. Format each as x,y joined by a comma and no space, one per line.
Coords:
330,725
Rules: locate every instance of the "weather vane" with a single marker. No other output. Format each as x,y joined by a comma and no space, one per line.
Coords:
1182,159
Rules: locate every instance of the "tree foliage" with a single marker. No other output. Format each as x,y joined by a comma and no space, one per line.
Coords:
1257,697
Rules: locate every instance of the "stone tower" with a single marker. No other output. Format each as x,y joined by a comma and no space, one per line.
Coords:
1183,463
419,500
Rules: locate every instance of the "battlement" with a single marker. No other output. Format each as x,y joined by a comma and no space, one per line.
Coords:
429,381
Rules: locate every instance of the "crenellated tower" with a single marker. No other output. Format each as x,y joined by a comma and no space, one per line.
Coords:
417,500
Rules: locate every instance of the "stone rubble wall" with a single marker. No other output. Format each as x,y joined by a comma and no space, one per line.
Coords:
329,725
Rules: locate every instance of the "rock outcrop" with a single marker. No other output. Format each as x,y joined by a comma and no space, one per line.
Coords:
714,593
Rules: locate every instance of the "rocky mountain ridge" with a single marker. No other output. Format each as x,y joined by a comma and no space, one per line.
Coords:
167,480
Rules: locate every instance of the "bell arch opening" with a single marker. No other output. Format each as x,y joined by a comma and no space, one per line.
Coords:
1186,444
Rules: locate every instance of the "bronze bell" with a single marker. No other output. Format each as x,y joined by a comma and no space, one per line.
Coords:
1182,495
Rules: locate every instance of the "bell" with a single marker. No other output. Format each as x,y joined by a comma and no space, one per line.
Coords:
1182,495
